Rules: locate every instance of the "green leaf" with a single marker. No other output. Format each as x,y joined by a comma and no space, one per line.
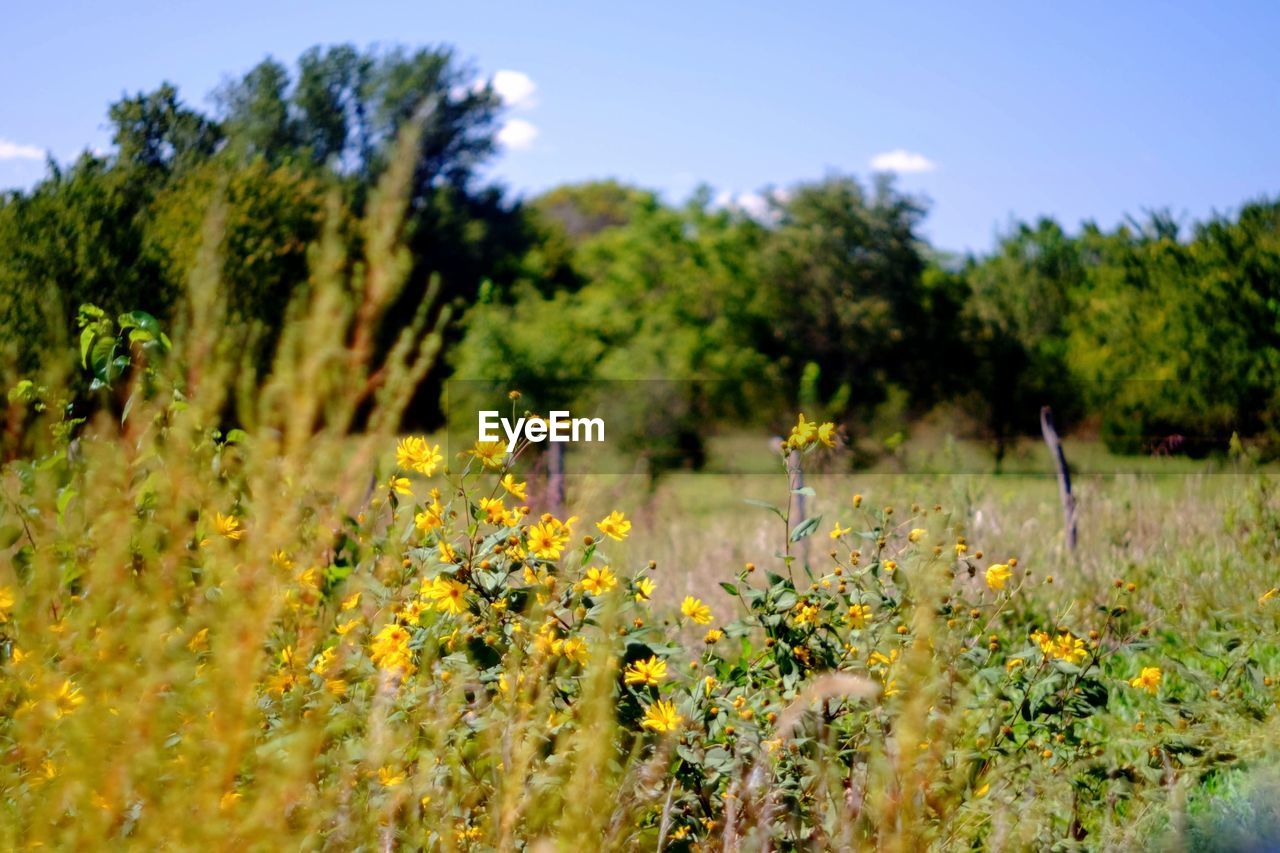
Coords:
807,491
9,534
765,505
729,588
805,528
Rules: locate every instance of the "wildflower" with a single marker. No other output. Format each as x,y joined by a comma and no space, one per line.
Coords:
228,526
916,534
838,531
6,602
66,699
806,614
695,610
351,602
389,778
661,716
982,792
516,490
1013,663
400,485
547,540
599,581
713,636
650,671
430,518
891,687
446,552
199,641
614,525
490,453
1262,599
414,454
997,575
803,433
493,508
448,595
827,434
1148,680
879,659
336,686
858,614
1066,647
573,648
390,649
344,628
644,588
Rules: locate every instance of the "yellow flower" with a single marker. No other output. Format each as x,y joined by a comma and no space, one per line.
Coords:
1148,680
446,552
282,560
516,490
1065,647
599,581
1013,663
806,614
827,434
228,526
1262,599
838,531
713,636
614,525
982,792
344,628
661,716
66,699
389,778
493,508
351,602
390,651
414,454
916,534
574,648
430,518
547,540
997,575
400,485
644,588
650,671
448,594
803,433
695,610
336,686
200,641
858,614
490,453
6,602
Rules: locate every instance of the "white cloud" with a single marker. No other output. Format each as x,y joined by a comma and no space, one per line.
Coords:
903,161
14,151
757,205
515,88
517,134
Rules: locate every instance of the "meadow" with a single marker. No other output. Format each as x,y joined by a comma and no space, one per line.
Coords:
242,608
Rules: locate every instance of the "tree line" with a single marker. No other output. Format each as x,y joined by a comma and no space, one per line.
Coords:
1160,336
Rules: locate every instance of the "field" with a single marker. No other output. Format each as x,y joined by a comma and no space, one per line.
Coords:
290,659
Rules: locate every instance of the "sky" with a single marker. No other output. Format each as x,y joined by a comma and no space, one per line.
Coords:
994,112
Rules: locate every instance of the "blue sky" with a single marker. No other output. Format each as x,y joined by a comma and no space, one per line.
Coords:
1081,110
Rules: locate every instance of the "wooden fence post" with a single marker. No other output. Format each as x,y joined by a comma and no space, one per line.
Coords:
1064,476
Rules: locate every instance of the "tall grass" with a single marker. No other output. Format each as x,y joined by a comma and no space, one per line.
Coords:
297,634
